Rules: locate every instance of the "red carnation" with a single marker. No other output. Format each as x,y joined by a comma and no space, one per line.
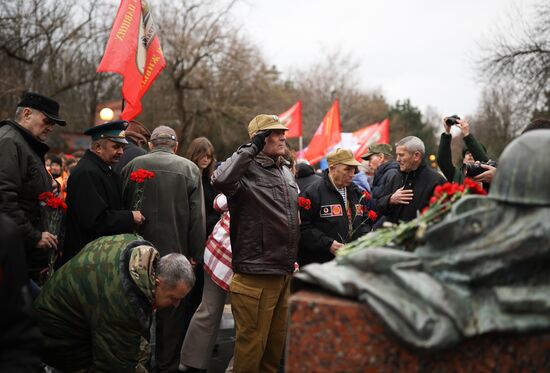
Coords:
56,203
45,196
366,196
139,176
473,187
304,202
372,215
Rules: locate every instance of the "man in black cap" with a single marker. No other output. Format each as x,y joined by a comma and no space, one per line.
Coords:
94,194
23,176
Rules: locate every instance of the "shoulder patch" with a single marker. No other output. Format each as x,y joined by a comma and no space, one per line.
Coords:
329,211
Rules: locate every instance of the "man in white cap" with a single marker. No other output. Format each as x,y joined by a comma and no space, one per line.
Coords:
263,202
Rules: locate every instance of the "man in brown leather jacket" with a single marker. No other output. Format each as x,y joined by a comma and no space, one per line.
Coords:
263,202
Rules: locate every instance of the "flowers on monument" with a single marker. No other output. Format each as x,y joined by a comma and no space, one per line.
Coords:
139,177
305,203
54,208
408,235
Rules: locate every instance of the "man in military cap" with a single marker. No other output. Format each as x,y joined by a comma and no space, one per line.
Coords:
382,162
263,202
94,192
335,213
96,311
23,176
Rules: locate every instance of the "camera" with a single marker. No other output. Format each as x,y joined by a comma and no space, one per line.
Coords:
474,169
452,120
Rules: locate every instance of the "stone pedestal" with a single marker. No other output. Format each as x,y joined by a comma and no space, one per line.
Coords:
330,334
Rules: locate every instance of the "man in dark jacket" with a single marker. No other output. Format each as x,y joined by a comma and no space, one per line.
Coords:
96,311
410,190
94,192
263,202
332,212
23,176
305,175
173,204
381,161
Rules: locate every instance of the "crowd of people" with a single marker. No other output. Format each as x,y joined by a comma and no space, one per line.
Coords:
136,275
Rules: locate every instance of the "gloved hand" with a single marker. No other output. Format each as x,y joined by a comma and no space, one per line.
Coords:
259,139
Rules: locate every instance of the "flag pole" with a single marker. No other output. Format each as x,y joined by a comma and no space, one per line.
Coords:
301,144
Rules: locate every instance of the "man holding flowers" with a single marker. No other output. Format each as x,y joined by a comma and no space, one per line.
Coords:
94,193
332,210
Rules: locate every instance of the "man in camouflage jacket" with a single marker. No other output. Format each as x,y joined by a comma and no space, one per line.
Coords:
96,312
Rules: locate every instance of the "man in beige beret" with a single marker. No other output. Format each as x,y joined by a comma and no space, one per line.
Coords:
263,202
336,212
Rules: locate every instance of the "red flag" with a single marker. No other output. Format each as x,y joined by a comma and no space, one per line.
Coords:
133,51
327,135
292,118
378,133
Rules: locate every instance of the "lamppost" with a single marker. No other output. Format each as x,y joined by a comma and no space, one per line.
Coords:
106,114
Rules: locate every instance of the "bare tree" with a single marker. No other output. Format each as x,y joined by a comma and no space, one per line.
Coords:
521,55
54,47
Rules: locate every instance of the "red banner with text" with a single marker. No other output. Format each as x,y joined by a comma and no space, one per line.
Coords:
133,51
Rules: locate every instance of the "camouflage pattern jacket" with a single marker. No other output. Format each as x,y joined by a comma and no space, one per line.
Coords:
95,312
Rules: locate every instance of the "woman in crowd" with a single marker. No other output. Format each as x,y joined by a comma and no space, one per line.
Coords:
201,152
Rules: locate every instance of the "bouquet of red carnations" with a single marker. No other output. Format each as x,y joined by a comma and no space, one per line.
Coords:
139,177
54,209
408,234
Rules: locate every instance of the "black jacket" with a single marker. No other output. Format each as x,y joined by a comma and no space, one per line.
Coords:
22,178
305,176
263,202
383,175
422,181
327,220
212,216
95,207
19,337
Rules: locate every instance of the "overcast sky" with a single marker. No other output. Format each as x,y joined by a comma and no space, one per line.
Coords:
424,50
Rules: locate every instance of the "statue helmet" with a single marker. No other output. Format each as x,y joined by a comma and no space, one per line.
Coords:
522,171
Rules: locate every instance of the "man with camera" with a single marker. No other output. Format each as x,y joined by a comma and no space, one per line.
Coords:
473,152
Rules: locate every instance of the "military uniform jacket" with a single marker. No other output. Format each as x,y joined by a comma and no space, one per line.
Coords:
95,208
96,310
22,178
327,220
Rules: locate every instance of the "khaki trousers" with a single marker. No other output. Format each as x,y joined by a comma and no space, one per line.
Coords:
259,304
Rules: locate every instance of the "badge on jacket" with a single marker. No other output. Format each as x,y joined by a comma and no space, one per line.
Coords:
329,211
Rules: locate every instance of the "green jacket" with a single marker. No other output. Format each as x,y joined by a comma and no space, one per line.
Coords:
95,312
445,160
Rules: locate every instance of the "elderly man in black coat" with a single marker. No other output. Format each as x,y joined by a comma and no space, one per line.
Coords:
410,190
94,191
23,176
